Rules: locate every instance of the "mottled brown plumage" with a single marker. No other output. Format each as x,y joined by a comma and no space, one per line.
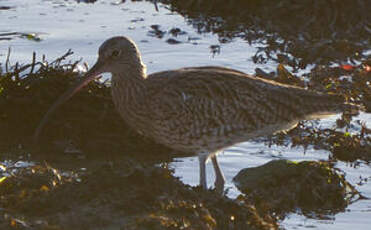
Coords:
200,109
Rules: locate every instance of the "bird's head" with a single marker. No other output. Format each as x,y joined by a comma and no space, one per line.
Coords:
114,53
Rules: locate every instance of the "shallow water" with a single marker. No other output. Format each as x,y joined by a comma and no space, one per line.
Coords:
253,154
63,25
82,27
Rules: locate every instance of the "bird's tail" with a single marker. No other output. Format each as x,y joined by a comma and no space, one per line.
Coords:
320,106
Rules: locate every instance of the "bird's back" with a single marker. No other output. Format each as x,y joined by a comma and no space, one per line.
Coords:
209,108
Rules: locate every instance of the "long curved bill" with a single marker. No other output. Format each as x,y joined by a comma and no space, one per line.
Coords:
89,76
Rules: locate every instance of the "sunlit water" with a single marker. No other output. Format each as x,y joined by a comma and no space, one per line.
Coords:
82,27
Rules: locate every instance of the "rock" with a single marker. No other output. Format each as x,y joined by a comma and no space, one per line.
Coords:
283,186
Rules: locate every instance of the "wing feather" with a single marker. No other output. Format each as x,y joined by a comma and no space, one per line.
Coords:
223,101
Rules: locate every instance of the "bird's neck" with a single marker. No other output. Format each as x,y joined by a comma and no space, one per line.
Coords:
129,93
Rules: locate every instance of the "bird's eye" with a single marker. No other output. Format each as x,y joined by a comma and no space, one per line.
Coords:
115,53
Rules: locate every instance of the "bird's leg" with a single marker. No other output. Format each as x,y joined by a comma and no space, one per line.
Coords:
202,157
219,177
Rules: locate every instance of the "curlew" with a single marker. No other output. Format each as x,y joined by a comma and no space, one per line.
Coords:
201,110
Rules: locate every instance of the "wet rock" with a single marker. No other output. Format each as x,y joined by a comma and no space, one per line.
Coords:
6,7
176,32
137,20
86,1
156,32
282,186
215,49
173,41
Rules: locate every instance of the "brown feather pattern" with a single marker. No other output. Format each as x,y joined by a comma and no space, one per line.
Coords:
205,109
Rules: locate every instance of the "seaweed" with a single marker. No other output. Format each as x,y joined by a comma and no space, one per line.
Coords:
88,123
90,171
297,32
349,138
120,194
